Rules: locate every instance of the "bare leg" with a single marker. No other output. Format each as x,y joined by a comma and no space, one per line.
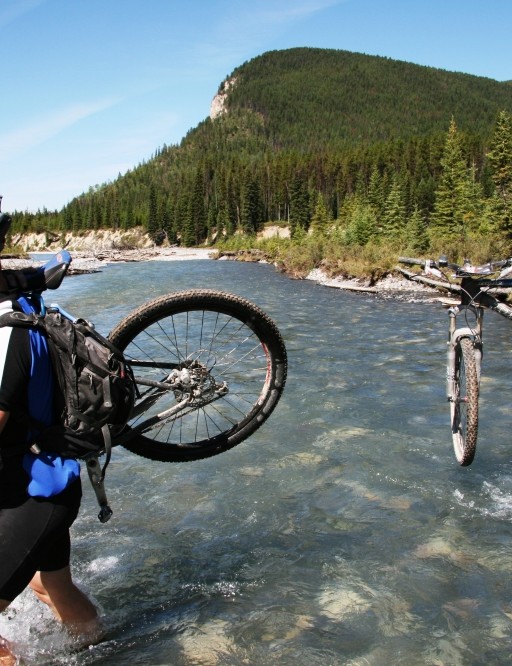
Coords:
6,656
68,603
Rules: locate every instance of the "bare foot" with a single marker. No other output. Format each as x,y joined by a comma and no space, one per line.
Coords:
6,656
85,633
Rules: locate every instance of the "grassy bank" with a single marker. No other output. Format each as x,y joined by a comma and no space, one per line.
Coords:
337,259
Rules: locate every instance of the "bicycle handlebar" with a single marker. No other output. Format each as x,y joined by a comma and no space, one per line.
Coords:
466,269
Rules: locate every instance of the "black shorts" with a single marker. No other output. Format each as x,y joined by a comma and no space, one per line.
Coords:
34,536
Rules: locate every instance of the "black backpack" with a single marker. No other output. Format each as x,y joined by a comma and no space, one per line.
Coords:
94,390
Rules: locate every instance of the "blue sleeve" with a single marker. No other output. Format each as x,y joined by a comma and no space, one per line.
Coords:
40,386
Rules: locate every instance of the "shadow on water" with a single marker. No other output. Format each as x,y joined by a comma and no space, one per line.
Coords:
342,532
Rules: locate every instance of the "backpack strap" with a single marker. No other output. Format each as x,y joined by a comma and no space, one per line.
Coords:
16,318
19,318
96,478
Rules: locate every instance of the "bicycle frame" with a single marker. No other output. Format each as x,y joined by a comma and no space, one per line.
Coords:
474,333
470,295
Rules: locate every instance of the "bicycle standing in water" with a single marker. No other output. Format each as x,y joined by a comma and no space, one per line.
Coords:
465,343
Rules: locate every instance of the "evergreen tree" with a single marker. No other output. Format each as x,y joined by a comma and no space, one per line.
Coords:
251,217
394,217
188,232
416,233
168,222
453,199
299,208
232,206
320,219
68,218
197,207
77,217
107,212
376,190
222,221
211,224
362,223
500,159
128,219
160,234
152,223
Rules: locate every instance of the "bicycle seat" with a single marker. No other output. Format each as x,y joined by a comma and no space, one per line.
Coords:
50,275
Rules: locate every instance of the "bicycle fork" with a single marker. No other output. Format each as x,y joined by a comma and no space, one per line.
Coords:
473,333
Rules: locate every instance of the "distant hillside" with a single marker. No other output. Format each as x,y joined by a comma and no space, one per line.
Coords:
309,97
295,132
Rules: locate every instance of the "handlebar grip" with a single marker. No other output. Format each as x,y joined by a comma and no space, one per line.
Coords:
503,309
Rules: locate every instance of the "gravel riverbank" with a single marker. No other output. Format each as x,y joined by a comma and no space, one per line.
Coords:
90,262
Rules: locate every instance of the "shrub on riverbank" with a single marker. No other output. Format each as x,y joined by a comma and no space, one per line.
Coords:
298,257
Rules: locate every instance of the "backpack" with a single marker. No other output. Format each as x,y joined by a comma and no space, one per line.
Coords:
94,389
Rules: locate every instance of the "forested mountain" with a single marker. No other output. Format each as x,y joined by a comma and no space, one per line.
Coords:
316,97
320,139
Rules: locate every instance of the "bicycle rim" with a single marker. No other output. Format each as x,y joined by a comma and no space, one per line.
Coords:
235,360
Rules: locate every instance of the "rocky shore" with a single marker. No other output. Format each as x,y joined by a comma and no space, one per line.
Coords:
92,262
391,286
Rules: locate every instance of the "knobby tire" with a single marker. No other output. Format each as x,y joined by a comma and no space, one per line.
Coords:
464,403
232,341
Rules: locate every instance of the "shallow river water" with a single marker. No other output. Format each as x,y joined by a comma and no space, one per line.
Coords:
342,532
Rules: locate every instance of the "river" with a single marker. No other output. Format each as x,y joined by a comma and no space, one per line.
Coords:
342,532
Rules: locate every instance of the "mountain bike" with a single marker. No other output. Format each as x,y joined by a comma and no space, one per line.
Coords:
465,343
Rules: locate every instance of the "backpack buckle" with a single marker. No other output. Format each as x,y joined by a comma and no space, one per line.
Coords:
96,478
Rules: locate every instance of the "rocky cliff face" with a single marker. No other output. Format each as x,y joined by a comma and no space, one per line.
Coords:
86,241
218,105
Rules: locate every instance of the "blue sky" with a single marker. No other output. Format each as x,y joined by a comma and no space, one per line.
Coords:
91,88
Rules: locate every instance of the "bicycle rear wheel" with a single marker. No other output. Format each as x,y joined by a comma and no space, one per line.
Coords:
210,367
464,403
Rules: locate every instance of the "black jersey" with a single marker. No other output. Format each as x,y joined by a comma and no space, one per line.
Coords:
25,388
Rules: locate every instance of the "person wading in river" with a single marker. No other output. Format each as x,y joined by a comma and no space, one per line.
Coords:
39,494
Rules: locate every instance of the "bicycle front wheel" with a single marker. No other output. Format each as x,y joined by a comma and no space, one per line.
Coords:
464,402
210,368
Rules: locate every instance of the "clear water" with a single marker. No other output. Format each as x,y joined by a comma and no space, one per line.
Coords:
342,532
